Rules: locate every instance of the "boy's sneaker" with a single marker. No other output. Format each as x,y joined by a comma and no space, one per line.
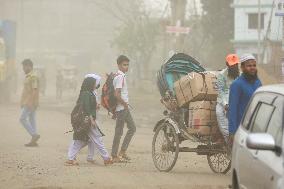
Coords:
35,138
123,155
31,144
118,160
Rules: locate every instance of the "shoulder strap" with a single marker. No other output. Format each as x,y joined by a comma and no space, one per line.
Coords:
117,74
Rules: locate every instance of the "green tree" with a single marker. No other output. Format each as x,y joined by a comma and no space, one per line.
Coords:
138,38
137,33
218,23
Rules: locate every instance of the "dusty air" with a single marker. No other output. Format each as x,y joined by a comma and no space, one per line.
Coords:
154,94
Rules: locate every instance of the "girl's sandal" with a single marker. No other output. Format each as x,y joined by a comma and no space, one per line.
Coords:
71,163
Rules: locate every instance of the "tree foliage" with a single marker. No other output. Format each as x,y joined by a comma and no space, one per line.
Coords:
138,36
138,31
218,23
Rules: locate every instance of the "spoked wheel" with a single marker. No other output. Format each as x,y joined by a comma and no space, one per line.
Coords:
165,147
219,162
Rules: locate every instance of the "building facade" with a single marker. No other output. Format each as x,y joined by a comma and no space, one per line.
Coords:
271,34
246,30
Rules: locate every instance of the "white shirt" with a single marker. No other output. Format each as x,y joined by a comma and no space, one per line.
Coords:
119,82
96,93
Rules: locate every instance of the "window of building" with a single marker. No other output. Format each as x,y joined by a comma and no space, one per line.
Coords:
253,20
280,6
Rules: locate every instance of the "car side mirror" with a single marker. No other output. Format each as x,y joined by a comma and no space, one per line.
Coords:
261,141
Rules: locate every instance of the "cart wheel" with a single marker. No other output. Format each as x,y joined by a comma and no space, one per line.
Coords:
165,147
219,163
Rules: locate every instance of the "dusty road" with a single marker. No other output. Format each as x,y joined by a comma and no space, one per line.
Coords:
43,167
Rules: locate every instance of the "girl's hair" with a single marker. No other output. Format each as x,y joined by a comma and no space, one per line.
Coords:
87,85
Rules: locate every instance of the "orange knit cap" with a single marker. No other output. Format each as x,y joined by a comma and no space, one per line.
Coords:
232,59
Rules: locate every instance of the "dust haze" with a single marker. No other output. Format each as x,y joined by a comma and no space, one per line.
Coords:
67,39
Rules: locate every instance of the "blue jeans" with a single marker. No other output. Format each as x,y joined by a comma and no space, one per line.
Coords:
28,120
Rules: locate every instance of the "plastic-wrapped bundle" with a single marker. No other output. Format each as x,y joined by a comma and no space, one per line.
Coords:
176,67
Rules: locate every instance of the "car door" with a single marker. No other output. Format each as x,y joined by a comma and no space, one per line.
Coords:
269,163
255,117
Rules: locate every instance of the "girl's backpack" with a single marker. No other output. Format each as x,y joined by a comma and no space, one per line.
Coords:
81,123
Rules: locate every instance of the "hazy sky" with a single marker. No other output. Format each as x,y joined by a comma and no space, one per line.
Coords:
160,6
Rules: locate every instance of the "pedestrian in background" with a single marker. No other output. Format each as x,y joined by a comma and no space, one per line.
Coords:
59,85
29,102
241,92
224,81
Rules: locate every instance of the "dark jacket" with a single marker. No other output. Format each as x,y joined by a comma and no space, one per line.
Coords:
89,104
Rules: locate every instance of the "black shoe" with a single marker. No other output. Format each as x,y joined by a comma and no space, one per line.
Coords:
35,138
31,144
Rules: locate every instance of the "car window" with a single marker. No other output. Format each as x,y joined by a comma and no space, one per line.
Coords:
261,118
252,107
275,126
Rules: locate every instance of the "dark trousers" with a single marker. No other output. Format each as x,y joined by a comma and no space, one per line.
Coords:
123,116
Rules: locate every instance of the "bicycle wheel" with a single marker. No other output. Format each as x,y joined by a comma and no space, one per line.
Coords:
165,147
219,162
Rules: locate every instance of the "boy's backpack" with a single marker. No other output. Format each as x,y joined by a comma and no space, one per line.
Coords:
108,99
81,123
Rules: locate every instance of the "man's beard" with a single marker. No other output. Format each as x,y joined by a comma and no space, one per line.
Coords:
250,78
233,73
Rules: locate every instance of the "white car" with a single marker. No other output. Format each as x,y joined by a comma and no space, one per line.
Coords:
257,155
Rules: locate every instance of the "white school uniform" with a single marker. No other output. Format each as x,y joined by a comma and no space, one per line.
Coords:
95,142
95,139
119,82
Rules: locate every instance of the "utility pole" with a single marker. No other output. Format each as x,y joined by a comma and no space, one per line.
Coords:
280,13
39,27
22,28
283,33
259,32
178,9
194,7
268,32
